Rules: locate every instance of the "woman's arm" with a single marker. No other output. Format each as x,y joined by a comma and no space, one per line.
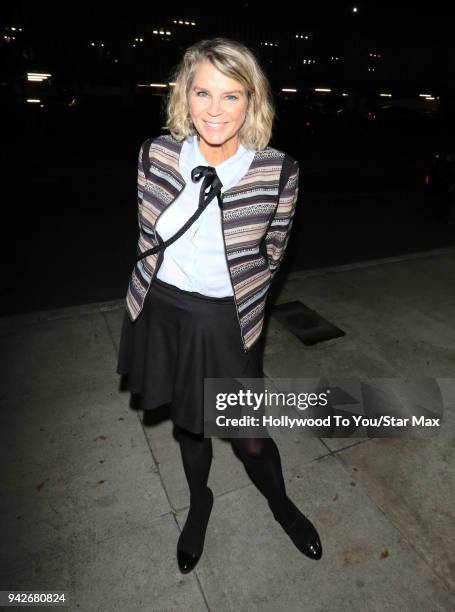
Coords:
277,237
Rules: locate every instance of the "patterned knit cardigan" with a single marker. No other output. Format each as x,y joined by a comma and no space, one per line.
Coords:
256,226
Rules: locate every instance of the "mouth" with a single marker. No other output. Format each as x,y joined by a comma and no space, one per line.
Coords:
214,126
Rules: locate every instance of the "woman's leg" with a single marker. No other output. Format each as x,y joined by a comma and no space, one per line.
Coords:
197,456
262,462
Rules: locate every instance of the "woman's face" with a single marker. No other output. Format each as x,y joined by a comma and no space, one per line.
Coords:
217,105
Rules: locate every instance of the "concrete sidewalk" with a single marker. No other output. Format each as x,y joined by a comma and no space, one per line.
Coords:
93,498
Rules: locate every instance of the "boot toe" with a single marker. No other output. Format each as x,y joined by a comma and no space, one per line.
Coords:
314,550
305,537
186,561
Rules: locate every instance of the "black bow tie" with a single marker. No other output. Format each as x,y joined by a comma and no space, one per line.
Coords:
210,179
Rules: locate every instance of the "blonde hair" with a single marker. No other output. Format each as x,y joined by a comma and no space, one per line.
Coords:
236,61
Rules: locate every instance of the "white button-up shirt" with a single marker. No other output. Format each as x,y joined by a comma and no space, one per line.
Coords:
196,261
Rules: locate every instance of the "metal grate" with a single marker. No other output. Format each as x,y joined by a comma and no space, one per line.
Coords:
305,323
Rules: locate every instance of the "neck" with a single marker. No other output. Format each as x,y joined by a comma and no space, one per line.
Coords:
215,154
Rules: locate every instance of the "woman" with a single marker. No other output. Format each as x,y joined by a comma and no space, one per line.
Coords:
195,307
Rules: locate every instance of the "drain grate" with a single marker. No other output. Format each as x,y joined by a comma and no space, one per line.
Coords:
305,323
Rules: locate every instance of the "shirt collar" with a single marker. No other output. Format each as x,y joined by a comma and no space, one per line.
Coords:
225,169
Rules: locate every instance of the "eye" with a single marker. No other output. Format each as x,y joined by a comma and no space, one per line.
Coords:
228,96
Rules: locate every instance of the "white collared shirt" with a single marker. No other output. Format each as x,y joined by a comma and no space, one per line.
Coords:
196,261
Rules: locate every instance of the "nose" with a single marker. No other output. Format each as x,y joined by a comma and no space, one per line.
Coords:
214,108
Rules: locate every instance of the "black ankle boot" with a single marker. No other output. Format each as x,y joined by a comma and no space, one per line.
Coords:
300,529
191,541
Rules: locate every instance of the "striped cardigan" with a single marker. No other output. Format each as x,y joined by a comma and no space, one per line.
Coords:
256,226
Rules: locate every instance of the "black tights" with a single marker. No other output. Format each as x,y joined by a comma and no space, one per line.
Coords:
261,459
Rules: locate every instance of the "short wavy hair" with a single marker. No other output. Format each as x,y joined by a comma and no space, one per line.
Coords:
236,61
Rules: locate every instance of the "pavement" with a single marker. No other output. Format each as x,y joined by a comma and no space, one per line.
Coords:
94,497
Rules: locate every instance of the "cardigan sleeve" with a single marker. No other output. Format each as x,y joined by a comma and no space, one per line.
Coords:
140,184
277,236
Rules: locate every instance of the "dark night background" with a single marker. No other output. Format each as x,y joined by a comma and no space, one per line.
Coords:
369,179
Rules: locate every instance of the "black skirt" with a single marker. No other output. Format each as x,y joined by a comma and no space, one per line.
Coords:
179,338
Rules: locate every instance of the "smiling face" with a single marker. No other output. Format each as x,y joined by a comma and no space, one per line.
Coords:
218,106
